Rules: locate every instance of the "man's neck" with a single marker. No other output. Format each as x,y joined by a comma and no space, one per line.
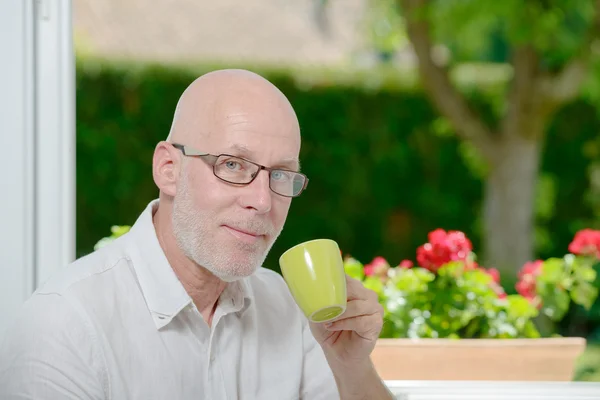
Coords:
201,285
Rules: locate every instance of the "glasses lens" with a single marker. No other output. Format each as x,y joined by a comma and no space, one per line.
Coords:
235,170
287,183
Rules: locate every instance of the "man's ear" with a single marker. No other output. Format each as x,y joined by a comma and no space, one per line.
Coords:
166,165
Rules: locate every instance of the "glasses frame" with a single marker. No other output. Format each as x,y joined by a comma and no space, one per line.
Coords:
211,159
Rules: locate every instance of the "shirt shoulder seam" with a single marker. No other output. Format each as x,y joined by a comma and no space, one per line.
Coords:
62,290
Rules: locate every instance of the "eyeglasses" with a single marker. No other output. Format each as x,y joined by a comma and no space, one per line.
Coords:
239,171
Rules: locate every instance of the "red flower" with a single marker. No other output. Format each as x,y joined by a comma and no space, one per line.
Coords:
526,285
531,268
526,289
494,273
379,266
406,264
442,248
586,242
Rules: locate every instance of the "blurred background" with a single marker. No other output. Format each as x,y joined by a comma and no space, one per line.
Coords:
474,115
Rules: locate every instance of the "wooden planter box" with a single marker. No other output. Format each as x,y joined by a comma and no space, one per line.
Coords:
546,359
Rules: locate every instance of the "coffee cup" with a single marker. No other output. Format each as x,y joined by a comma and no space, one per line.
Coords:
314,273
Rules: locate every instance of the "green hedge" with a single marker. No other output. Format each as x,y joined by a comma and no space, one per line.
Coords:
384,168
380,177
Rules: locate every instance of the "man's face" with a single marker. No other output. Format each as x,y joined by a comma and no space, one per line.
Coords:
229,229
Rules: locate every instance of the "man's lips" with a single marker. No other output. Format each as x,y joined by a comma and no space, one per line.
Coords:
243,235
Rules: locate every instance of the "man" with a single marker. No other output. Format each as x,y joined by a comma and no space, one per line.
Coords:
180,307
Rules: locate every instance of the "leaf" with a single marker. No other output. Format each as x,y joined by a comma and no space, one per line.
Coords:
116,231
478,276
354,269
584,271
423,274
469,319
556,303
374,284
119,230
520,307
530,330
389,329
412,280
452,269
584,294
553,270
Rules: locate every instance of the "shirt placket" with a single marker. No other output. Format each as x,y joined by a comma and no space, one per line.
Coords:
214,371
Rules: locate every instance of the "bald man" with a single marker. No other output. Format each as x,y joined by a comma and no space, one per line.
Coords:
180,307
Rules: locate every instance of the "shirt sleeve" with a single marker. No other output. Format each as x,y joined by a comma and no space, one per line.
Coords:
317,382
49,354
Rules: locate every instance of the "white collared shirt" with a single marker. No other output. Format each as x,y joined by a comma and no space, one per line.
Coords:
117,324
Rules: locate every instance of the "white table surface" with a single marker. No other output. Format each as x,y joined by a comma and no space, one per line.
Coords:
497,390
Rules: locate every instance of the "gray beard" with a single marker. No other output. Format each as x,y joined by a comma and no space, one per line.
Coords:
192,236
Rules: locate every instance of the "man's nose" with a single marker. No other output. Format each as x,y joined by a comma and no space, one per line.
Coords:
257,195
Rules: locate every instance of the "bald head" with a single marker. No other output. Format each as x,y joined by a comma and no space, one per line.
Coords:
228,227
228,97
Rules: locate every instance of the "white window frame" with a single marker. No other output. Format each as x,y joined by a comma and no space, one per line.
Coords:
37,127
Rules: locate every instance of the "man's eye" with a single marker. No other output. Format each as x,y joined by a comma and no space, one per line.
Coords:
233,165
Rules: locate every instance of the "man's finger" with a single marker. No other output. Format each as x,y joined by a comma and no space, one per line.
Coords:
355,308
366,326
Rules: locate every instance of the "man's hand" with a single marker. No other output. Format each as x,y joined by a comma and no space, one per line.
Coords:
352,336
348,342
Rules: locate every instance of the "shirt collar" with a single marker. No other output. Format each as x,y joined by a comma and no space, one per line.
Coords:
164,294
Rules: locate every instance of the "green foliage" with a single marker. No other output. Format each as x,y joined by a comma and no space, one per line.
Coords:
354,269
385,27
571,278
454,302
116,231
587,367
556,29
448,295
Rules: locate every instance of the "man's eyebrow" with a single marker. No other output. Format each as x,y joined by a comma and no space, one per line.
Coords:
287,163
241,150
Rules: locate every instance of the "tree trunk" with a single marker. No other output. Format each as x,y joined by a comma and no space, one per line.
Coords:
513,151
509,203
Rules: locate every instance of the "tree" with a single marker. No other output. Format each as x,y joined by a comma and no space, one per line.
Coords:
550,47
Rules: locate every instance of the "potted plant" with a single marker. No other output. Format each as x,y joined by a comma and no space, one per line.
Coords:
447,318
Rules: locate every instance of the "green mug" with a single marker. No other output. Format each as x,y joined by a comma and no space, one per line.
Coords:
314,273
